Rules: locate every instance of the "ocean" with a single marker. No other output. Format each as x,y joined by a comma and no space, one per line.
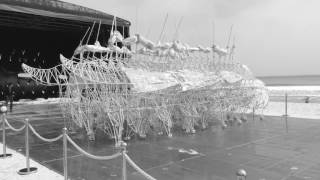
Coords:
300,89
305,80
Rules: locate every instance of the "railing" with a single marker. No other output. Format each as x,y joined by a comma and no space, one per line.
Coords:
66,138
294,98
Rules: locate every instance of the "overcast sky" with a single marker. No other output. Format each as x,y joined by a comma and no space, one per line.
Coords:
273,37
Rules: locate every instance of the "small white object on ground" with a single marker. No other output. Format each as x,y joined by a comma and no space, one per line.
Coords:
294,168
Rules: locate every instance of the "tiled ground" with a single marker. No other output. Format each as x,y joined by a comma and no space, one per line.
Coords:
10,165
262,148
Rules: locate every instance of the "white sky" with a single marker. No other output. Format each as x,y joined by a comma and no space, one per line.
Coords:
273,37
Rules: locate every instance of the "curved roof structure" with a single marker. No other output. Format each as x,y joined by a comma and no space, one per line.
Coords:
51,14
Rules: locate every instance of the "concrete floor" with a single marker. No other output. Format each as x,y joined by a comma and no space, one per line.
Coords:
262,148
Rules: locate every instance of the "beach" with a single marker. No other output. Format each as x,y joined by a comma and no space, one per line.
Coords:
302,101
298,110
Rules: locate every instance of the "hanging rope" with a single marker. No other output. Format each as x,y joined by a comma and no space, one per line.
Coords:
43,138
90,155
12,128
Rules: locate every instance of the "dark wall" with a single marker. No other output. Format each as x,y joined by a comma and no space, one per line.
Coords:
38,48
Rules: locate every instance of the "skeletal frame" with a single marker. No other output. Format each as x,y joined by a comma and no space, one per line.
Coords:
95,93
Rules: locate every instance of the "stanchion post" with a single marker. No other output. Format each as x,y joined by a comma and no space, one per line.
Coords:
27,145
241,174
3,112
123,146
286,111
28,169
65,154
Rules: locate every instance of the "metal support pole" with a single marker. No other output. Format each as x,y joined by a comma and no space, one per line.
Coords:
3,111
286,112
4,135
65,154
124,161
27,145
28,169
253,113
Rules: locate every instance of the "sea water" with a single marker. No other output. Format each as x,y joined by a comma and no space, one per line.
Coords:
307,80
304,89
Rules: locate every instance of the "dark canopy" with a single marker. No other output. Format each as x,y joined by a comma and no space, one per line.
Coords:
36,32
51,14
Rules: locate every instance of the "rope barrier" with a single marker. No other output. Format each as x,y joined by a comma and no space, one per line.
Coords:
90,155
66,138
12,128
43,138
136,167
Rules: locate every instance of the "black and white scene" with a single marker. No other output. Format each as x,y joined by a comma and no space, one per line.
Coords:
159,90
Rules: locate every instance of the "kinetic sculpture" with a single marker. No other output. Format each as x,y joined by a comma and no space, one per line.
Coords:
156,88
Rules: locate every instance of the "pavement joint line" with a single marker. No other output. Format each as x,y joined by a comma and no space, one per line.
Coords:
14,110
22,110
37,122
251,142
39,113
283,160
41,125
254,160
33,115
161,165
315,170
40,116
34,145
32,118
58,159
172,162
189,169
277,146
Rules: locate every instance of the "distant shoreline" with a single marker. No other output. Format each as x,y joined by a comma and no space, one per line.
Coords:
304,80
290,85
278,76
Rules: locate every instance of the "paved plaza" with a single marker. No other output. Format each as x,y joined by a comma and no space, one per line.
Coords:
263,148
